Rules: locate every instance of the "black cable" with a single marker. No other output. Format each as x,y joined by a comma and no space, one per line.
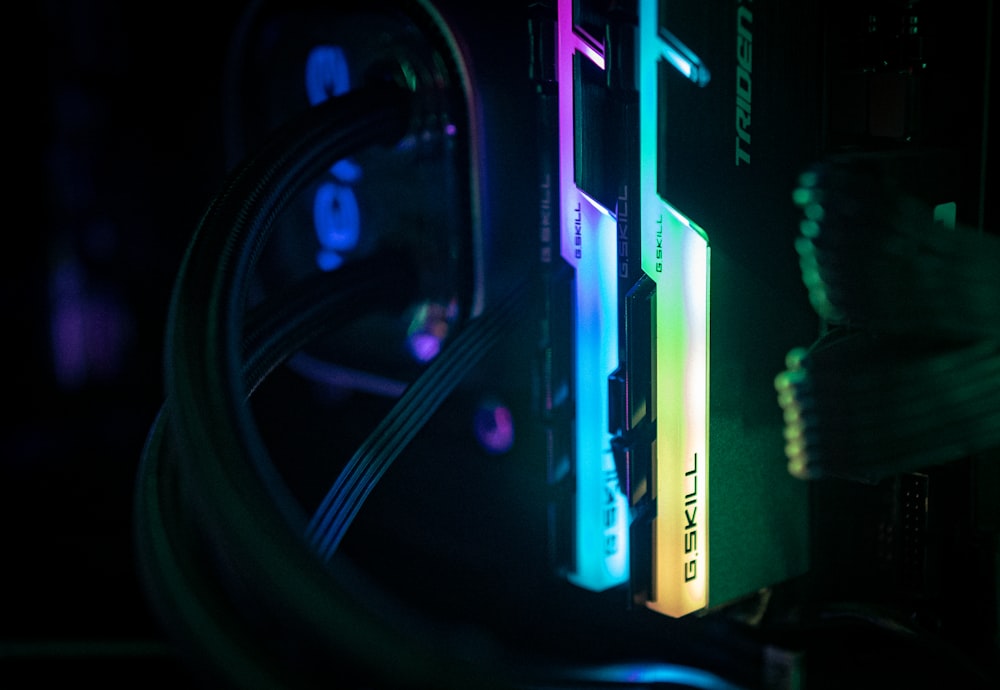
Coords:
194,602
250,524
833,633
187,596
244,508
382,281
407,417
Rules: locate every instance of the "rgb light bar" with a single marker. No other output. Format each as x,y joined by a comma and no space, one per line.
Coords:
675,255
588,244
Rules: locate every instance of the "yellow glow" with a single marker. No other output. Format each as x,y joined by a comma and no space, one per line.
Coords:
681,528
675,255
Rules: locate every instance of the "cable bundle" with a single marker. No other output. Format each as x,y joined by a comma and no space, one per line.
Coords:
341,504
221,538
908,372
858,409
872,256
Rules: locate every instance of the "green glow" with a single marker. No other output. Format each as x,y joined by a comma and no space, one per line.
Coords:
675,255
809,228
946,214
801,196
813,212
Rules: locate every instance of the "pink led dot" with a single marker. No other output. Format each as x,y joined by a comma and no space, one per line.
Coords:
494,427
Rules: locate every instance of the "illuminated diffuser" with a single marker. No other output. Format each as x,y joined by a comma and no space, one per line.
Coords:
675,255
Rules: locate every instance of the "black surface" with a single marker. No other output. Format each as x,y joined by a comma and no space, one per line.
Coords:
117,116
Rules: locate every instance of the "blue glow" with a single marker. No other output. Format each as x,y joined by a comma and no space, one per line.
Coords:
337,220
326,73
659,673
336,217
602,511
346,171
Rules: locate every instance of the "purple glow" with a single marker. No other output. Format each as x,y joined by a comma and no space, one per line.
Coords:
588,243
424,346
494,427
570,40
338,377
587,45
90,331
429,328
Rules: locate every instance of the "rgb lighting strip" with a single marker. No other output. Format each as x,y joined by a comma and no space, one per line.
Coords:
675,255
588,234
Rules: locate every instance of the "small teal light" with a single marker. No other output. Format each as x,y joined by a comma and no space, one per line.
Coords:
683,59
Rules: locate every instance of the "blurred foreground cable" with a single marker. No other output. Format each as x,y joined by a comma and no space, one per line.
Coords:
859,408
872,256
908,373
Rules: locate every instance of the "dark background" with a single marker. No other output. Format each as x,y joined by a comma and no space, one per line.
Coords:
117,129
115,149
